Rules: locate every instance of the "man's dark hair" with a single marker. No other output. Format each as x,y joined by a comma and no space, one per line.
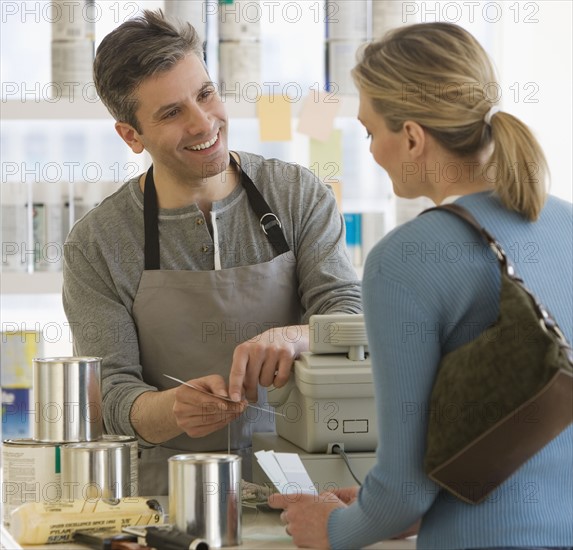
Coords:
139,48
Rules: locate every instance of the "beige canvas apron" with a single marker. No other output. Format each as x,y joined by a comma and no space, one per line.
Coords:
189,323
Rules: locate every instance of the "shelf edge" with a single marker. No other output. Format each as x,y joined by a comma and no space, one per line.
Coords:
31,283
66,109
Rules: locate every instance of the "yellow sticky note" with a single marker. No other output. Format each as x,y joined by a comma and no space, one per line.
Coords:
317,115
274,112
326,157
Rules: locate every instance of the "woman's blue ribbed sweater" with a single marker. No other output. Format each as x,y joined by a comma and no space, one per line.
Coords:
430,286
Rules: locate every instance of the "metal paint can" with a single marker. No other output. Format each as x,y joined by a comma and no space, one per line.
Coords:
193,12
72,62
386,15
14,220
67,399
205,497
47,225
346,19
74,20
99,469
31,473
240,69
131,443
240,20
341,58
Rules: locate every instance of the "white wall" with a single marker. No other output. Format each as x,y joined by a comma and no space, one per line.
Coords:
535,58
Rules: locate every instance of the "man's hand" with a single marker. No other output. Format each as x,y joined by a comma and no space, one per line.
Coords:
266,359
306,516
198,414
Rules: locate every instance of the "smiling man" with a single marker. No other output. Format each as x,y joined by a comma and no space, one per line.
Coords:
206,268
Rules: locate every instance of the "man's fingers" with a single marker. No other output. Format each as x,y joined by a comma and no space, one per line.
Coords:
237,374
283,371
257,355
272,363
277,501
203,420
247,362
203,429
213,384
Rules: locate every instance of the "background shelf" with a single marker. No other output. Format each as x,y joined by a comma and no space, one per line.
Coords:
31,283
80,108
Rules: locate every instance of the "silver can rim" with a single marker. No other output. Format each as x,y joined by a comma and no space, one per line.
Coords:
67,360
204,458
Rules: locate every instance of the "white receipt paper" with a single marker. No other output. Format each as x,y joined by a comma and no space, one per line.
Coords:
286,471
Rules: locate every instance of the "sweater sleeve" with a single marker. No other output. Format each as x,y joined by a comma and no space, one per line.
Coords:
328,282
405,351
103,327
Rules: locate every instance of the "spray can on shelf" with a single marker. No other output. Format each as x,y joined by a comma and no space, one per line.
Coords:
340,59
346,19
193,12
239,65
73,39
347,24
14,224
239,25
353,223
47,225
386,15
73,20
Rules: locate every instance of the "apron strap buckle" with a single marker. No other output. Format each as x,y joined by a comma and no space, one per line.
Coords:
271,223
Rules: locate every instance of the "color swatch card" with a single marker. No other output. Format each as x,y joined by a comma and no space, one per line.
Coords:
286,471
274,112
317,115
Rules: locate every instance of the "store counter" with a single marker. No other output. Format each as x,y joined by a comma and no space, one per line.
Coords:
260,530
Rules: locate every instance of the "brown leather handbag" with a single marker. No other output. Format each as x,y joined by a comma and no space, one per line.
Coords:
502,397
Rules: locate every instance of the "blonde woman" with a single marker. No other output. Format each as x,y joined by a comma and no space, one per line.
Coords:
431,285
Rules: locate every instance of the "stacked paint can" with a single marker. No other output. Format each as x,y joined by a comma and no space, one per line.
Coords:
386,15
68,457
73,39
239,24
350,23
192,12
347,24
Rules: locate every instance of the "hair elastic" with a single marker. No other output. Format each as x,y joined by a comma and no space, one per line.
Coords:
489,115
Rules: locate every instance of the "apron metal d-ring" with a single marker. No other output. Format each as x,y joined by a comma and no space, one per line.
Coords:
273,216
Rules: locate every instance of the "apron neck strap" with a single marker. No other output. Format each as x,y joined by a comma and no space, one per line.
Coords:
150,214
269,222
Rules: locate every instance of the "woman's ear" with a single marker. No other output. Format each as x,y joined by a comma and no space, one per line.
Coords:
130,135
415,136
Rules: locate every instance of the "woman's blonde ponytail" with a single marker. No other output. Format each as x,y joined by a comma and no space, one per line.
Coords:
519,169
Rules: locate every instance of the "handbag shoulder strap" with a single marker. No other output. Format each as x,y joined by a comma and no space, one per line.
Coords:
545,318
468,217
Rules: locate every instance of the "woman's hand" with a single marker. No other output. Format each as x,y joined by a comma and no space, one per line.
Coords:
306,516
347,494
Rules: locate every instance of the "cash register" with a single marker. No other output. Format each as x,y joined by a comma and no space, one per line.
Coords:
326,411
